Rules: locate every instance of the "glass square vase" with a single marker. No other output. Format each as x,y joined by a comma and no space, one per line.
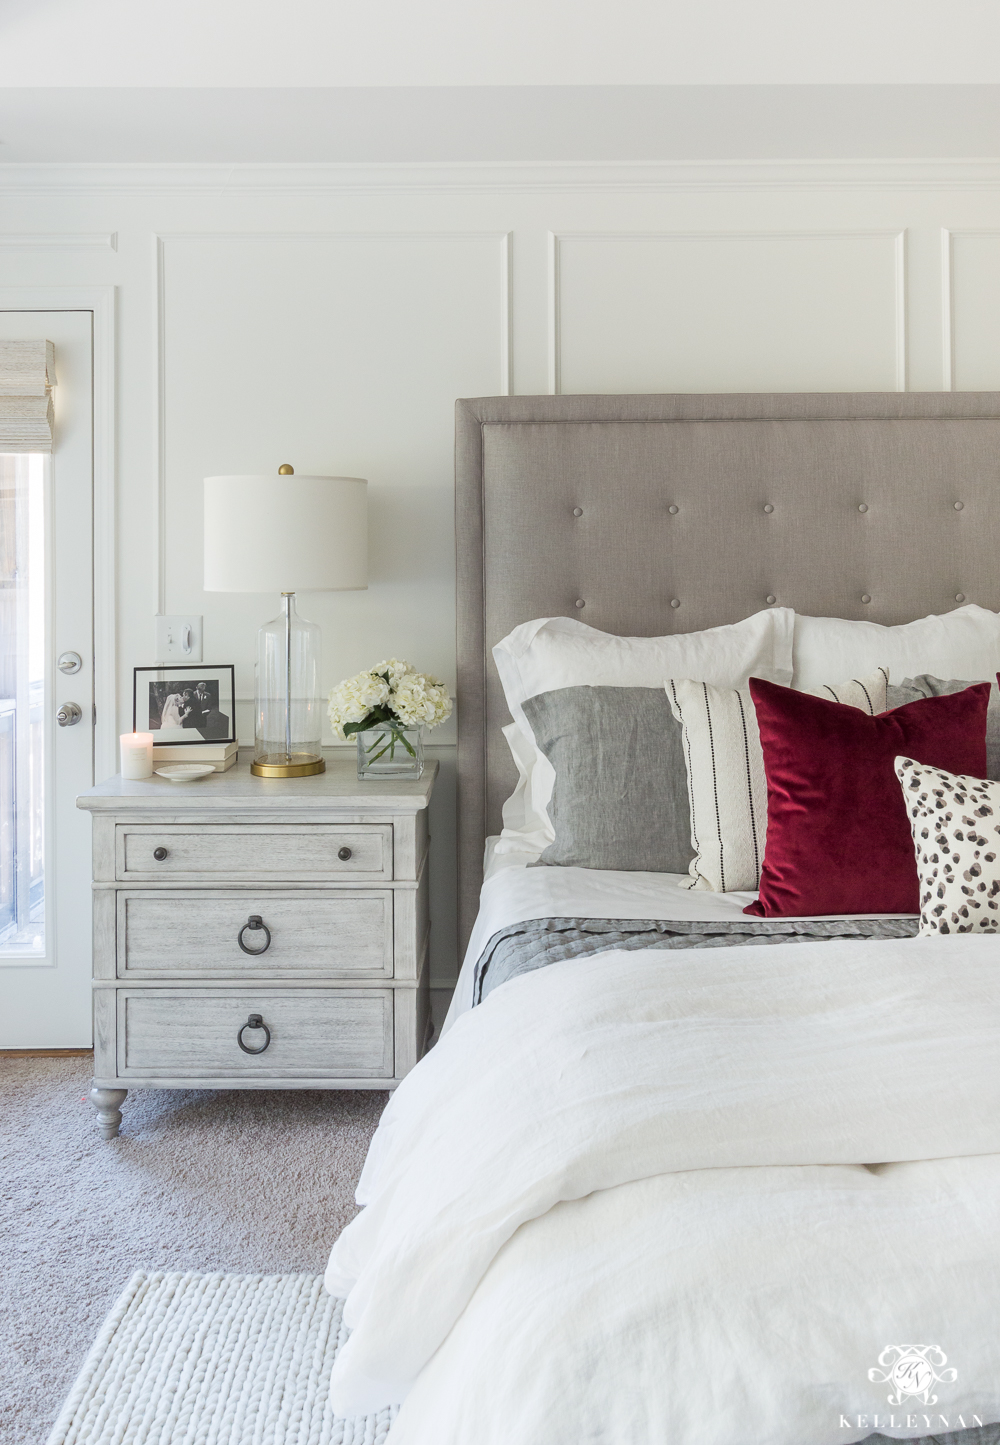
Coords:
388,752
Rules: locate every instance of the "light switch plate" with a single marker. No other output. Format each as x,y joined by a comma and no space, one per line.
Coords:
178,639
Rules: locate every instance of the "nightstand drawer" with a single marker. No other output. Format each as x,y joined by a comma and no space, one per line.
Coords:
314,1033
197,933
321,852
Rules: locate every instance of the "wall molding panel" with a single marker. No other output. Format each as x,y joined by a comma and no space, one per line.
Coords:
985,294
557,242
947,314
554,318
502,240
902,340
507,314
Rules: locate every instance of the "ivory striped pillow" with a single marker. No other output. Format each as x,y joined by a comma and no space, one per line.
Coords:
727,788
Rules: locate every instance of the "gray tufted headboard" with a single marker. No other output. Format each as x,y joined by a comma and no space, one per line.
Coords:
645,515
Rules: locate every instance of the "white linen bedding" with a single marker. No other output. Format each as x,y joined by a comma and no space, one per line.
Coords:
723,1307
513,892
626,1201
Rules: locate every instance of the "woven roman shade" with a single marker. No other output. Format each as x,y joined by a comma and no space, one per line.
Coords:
27,375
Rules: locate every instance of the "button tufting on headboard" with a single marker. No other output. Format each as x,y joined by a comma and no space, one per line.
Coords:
731,465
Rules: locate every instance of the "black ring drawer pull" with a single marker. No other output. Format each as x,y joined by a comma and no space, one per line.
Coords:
255,924
254,1022
344,854
159,854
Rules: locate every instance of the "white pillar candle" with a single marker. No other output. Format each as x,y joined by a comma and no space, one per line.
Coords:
137,755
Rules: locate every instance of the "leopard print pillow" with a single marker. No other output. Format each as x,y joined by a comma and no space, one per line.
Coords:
955,823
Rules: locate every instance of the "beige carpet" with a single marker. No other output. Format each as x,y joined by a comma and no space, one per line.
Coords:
234,1181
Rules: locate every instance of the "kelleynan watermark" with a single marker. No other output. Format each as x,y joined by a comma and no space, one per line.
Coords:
913,1371
910,1422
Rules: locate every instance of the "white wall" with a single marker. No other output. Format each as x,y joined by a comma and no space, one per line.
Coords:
329,318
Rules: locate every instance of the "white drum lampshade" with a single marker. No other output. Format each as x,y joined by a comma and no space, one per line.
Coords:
286,534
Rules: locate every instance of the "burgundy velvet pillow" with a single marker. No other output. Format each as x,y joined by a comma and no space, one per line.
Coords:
838,834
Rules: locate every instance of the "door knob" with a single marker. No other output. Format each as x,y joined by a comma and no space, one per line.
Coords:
69,714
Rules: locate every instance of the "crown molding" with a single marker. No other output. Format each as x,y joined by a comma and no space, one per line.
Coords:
499,177
63,240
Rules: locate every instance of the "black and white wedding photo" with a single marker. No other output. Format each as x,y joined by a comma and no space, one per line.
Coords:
181,704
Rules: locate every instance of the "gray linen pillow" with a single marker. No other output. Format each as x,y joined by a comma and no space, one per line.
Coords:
911,689
620,798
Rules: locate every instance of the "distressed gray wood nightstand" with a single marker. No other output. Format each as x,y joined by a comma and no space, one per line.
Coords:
258,933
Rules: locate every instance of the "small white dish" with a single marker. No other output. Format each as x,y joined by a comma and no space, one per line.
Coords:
184,772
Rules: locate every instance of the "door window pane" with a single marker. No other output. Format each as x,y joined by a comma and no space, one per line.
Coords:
22,704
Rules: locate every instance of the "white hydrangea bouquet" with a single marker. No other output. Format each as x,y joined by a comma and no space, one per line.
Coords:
391,700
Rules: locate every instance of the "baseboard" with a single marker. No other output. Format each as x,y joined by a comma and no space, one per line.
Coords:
45,1053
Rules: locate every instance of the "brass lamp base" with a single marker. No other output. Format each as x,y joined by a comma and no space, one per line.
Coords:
280,765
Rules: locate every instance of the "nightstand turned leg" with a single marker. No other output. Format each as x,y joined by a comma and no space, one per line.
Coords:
108,1103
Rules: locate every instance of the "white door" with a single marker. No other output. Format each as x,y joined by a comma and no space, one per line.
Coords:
46,613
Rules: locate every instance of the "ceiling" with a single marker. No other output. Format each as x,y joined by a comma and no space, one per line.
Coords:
525,80
323,43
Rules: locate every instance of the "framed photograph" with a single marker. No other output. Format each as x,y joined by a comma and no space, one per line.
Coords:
185,703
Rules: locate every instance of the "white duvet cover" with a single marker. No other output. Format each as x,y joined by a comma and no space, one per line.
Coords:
689,1202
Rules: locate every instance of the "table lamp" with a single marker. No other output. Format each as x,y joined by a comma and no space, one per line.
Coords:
286,534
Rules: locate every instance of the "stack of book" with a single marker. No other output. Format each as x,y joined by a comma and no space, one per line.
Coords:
221,755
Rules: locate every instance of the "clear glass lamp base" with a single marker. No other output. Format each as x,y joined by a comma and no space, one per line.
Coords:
288,724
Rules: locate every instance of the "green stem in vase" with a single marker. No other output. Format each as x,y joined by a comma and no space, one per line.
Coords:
382,751
386,743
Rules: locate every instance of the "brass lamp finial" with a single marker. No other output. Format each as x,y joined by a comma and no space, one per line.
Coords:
285,470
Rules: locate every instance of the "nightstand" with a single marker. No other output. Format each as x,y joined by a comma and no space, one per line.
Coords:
258,933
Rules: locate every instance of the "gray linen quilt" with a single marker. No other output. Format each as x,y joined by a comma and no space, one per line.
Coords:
524,947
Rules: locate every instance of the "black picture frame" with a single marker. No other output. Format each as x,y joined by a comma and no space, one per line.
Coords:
198,701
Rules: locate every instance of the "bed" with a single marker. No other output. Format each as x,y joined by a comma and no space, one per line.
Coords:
649,1186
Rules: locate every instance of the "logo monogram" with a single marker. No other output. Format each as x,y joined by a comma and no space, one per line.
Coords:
913,1370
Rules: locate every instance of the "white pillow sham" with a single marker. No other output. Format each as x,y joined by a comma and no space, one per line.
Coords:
555,652
727,785
962,643
527,826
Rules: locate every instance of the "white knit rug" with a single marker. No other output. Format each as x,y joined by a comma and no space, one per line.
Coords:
215,1359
